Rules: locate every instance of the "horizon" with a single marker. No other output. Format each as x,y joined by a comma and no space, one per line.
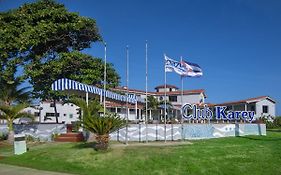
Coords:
236,43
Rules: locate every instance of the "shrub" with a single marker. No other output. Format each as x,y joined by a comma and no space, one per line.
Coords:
30,138
102,126
277,122
3,136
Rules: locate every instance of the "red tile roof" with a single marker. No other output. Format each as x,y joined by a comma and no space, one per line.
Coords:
122,104
167,86
249,100
178,92
185,92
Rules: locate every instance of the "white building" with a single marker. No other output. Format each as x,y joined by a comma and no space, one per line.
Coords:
45,113
67,113
263,106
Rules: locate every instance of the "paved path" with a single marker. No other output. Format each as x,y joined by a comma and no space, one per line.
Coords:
16,170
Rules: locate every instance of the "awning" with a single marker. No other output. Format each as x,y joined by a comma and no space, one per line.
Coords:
67,84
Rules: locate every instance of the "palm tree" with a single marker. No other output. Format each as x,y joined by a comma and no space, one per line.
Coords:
10,113
12,92
13,99
101,126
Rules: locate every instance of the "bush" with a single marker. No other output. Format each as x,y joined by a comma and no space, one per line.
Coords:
3,136
277,122
30,138
102,126
272,122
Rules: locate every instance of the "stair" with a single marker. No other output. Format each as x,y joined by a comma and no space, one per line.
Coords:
70,137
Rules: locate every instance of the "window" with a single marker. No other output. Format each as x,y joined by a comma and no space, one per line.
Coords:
64,114
253,108
70,115
37,114
112,110
118,110
132,110
52,105
264,109
173,98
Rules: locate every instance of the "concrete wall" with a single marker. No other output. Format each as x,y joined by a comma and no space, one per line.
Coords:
194,98
43,132
271,108
65,112
137,132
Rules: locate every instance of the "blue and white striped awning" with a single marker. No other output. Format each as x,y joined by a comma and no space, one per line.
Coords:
67,84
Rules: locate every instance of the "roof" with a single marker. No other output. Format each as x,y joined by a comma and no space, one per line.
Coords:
249,100
119,104
167,86
185,92
124,89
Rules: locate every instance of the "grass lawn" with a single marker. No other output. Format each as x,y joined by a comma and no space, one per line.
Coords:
234,155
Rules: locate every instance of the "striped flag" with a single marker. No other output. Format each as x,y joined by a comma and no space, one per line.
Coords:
191,69
174,66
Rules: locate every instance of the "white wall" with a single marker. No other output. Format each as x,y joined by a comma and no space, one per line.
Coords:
193,98
271,108
65,111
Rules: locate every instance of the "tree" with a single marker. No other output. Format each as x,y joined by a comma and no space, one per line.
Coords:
101,126
12,92
10,113
35,35
73,65
13,99
37,31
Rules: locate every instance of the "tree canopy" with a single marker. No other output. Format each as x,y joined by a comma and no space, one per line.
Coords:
45,38
73,65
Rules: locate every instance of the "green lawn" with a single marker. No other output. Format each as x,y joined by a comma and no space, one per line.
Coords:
235,155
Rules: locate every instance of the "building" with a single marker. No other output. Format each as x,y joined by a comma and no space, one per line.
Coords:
45,113
68,113
263,106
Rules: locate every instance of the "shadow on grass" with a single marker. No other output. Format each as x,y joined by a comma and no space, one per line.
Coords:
261,138
274,130
85,145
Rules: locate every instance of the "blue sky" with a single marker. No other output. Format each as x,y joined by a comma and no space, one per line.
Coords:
236,42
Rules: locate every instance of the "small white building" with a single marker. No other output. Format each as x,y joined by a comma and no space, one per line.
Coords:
45,113
263,106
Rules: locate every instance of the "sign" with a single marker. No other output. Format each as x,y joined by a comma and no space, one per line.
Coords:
193,112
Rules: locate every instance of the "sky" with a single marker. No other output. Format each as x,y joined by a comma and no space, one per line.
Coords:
237,43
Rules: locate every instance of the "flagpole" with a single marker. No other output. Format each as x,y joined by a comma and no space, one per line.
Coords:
165,102
146,77
182,101
127,91
104,82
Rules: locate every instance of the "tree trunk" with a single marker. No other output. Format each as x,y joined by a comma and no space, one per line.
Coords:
11,137
102,141
56,111
11,132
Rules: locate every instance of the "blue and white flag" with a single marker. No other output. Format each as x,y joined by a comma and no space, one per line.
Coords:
191,69
174,66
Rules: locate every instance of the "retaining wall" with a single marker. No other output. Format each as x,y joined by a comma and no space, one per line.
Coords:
137,132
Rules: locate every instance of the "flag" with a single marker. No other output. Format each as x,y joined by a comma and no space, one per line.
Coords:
191,69
174,66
